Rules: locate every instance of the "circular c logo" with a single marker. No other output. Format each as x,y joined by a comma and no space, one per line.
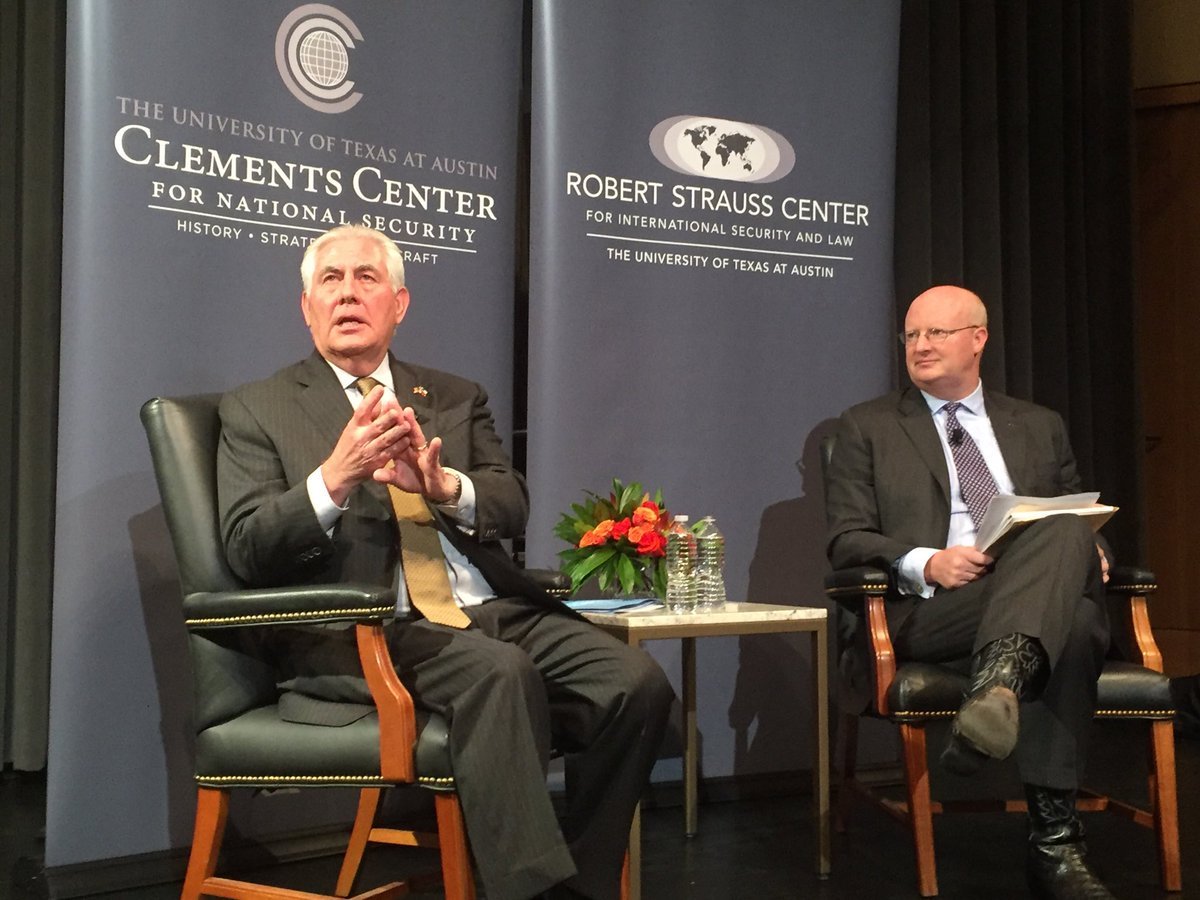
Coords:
312,53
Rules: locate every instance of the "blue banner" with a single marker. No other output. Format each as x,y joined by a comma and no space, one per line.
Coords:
207,144
711,280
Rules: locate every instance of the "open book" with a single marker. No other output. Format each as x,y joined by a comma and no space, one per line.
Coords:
1008,511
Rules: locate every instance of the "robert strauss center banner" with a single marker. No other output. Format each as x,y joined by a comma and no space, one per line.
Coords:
711,280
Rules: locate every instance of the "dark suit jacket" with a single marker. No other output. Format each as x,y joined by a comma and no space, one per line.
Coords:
275,432
887,488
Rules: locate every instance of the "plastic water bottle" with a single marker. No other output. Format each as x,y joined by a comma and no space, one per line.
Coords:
681,567
710,565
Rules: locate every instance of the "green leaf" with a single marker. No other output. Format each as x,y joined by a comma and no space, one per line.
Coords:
593,562
573,555
660,581
627,573
566,531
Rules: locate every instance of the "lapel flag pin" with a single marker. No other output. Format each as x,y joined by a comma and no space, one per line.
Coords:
421,391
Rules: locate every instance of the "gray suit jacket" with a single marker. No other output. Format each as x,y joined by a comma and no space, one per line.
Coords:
887,489
275,432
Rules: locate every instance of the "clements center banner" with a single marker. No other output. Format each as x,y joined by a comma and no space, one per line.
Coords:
711,281
208,143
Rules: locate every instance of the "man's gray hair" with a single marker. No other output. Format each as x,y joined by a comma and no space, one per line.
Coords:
392,255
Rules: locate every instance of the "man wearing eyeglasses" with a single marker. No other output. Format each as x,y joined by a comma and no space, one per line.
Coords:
909,479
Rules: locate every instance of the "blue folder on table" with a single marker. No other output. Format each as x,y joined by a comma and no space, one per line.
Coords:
612,604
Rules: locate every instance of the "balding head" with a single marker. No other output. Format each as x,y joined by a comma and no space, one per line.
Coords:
947,364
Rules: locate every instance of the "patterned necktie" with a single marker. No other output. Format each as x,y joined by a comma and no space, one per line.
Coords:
975,480
421,556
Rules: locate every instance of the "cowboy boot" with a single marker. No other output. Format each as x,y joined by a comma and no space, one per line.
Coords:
1055,867
1004,672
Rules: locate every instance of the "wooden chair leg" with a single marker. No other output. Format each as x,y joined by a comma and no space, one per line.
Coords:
849,737
212,809
625,877
368,805
1166,811
920,806
456,858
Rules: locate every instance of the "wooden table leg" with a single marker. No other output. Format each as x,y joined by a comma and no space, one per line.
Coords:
690,750
820,724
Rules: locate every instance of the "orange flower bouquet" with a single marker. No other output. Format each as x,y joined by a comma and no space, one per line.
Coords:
620,539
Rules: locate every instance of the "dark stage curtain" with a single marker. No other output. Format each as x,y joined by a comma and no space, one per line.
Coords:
1014,178
32,73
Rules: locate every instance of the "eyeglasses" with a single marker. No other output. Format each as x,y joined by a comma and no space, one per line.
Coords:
935,335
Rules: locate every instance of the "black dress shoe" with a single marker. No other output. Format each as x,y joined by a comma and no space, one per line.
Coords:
1004,672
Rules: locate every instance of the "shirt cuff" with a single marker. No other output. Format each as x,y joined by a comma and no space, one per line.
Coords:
461,510
910,572
327,511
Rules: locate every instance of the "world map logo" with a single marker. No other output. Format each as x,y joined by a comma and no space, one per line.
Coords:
312,53
722,148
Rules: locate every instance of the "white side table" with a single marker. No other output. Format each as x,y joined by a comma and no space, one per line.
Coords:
733,619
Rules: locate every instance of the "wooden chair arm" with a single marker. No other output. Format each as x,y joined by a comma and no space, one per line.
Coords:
849,587
397,715
861,591
1143,637
1136,586
883,656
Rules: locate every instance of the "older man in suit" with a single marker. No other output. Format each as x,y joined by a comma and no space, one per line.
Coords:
320,465
910,478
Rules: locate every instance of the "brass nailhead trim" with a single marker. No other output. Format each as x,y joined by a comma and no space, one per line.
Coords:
314,779
872,586
919,714
271,617
1163,713
857,589
1108,713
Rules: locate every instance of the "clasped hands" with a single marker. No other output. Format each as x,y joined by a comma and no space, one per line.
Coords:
960,565
384,442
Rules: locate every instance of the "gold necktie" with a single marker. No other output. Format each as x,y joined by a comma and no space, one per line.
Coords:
421,556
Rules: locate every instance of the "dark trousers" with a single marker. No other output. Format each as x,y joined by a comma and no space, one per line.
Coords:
524,679
1046,584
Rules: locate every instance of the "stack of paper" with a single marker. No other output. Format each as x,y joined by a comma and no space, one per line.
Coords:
1008,511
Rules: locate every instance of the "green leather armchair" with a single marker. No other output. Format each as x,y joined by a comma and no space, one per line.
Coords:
241,740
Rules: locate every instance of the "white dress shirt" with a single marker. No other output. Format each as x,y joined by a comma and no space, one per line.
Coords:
467,583
972,416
